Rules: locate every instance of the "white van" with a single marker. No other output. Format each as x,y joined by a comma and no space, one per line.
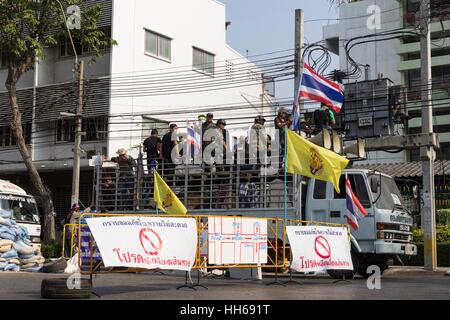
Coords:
23,208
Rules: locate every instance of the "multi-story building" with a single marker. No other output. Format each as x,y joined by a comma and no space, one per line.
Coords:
171,58
398,59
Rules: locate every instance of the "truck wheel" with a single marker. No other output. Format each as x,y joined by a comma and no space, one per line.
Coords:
347,274
57,289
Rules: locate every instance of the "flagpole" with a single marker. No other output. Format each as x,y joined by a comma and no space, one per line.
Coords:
285,175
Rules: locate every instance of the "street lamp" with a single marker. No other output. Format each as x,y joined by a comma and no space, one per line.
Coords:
79,67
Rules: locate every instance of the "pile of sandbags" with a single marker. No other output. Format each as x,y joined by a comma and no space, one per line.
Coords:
16,251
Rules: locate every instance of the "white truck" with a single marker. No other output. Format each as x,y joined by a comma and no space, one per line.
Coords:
23,208
387,230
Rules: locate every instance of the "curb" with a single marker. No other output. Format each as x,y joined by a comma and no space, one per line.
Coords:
418,270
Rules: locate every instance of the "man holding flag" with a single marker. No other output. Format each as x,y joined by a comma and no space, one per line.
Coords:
317,88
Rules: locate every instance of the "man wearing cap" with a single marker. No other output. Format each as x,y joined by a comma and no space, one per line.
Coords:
323,118
258,131
126,175
224,134
281,122
223,177
169,143
208,124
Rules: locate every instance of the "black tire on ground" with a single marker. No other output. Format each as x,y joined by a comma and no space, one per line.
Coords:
58,289
346,274
56,266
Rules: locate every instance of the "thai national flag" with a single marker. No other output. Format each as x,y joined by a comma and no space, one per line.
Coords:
193,137
315,87
355,211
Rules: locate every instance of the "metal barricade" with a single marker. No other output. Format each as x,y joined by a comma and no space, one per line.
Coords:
276,248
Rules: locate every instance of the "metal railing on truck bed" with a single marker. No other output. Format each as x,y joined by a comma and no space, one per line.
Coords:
227,188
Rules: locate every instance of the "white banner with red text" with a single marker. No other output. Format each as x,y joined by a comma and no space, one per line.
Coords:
146,242
319,248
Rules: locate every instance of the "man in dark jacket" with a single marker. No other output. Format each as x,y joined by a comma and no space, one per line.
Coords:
152,145
169,143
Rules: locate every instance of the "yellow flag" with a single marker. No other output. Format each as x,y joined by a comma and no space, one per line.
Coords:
165,198
310,160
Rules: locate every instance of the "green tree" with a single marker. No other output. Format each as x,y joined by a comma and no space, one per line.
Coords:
27,28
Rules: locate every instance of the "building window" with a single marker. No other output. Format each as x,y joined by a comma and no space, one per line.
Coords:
7,138
358,186
93,129
203,61
65,47
66,50
65,130
157,45
320,189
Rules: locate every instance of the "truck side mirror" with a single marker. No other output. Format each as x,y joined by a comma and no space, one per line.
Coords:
374,185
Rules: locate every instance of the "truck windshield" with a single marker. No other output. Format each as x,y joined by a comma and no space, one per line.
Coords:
390,197
23,209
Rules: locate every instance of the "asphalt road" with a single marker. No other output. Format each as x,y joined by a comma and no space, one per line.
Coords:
395,284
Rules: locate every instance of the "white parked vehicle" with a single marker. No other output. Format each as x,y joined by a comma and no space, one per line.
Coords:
23,208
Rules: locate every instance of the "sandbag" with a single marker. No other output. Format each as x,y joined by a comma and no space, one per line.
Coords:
6,222
33,269
34,259
7,236
22,248
6,229
12,267
6,243
27,256
20,231
29,265
10,254
6,248
2,260
5,214
14,261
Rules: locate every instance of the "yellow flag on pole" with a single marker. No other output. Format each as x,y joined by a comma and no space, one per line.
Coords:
310,160
166,200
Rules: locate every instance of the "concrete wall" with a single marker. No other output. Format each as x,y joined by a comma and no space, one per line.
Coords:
381,56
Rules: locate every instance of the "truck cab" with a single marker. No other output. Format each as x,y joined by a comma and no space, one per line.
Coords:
387,230
23,209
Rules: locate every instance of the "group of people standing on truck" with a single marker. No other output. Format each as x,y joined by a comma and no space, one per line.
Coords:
160,150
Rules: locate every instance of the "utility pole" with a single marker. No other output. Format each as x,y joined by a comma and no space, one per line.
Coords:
263,93
427,153
299,50
78,127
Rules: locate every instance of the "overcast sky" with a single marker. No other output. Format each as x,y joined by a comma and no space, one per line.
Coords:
262,26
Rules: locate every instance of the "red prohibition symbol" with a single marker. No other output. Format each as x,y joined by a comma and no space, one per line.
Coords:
150,241
322,247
